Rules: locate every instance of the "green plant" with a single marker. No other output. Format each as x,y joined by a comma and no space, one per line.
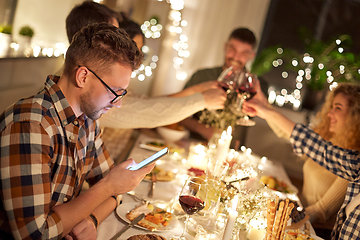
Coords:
26,31
7,29
320,64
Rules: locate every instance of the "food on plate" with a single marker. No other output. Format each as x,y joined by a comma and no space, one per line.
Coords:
275,184
175,126
297,235
277,220
146,237
155,218
161,174
156,144
196,171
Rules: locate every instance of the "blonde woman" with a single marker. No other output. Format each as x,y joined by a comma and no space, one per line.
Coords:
335,146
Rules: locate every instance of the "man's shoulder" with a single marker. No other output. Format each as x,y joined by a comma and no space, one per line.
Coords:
204,75
28,109
209,72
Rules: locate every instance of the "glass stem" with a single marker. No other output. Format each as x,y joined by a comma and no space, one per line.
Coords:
184,230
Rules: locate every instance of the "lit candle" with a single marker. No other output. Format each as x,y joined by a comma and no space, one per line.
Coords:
232,218
224,144
257,229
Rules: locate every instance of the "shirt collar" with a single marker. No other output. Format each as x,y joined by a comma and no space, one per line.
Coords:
62,106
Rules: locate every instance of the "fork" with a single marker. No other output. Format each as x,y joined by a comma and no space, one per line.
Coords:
152,187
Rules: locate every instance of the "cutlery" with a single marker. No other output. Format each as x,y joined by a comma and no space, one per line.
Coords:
152,187
135,221
237,180
136,198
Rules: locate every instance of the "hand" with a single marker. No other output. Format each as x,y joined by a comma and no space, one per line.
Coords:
83,230
214,98
201,87
259,94
256,107
123,180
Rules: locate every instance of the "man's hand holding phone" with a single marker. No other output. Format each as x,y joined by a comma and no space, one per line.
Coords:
149,160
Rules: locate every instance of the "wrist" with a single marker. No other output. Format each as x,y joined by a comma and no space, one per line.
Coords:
94,219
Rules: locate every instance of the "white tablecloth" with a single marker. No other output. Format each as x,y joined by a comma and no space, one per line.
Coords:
164,191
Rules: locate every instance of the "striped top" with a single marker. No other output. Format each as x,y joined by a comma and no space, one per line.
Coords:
46,155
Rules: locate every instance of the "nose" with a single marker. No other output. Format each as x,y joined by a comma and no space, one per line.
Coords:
330,113
117,104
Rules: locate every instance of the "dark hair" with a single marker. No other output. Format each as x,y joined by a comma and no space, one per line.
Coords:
132,28
99,45
87,13
244,35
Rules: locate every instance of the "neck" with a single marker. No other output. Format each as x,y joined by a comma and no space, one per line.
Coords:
71,94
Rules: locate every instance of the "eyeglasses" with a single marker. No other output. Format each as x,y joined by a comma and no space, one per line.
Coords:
117,96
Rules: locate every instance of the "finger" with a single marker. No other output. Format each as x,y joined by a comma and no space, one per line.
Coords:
68,237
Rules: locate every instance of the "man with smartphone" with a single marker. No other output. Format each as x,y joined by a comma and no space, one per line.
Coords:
51,143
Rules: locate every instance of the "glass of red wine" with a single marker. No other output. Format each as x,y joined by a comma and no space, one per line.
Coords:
192,199
245,87
226,79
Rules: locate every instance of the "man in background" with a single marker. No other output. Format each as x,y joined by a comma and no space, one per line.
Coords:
239,49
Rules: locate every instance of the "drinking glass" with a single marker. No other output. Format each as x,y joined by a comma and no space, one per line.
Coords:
245,87
192,199
227,79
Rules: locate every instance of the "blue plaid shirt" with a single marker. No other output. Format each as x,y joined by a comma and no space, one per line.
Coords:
342,162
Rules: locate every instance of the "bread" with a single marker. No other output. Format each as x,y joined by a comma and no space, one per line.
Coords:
146,237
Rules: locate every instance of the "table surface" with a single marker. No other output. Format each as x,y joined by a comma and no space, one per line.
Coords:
166,192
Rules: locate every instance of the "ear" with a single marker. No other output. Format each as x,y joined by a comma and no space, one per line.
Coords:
81,75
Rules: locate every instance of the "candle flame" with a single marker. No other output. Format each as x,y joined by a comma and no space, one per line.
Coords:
229,131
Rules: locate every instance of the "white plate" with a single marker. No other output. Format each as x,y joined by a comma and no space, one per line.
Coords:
124,208
144,144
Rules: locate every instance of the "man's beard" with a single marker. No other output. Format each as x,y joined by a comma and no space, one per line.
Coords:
87,107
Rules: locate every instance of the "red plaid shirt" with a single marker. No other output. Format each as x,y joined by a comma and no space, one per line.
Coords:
46,155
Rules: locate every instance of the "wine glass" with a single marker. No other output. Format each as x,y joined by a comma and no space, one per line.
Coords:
227,79
245,88
192,199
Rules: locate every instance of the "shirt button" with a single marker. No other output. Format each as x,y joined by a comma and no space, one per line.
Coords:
65,122
76,122
65,199
71,137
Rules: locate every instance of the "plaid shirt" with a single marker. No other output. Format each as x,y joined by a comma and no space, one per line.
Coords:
46,154
342,162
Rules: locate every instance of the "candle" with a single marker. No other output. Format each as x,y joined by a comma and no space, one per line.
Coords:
232,218
257,229
224,144
256,234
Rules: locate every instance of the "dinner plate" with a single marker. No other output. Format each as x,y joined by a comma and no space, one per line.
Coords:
124,208
160,144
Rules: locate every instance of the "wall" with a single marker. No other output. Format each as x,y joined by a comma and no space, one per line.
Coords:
46,17
23,77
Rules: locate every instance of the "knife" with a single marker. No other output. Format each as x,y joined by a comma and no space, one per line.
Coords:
153,180
135,221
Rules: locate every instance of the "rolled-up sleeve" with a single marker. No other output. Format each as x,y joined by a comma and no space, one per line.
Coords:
342,162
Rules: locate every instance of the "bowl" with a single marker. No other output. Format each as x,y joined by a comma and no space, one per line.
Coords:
172,135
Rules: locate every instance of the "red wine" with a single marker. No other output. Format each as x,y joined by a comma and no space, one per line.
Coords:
248,93
191,204
224,86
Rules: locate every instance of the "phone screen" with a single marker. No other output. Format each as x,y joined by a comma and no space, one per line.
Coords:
150,159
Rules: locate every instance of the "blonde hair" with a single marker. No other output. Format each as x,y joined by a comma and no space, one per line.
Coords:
350,136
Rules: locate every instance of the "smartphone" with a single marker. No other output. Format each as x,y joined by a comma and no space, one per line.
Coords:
150,159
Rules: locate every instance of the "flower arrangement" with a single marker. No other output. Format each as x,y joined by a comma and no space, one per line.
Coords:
222,118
